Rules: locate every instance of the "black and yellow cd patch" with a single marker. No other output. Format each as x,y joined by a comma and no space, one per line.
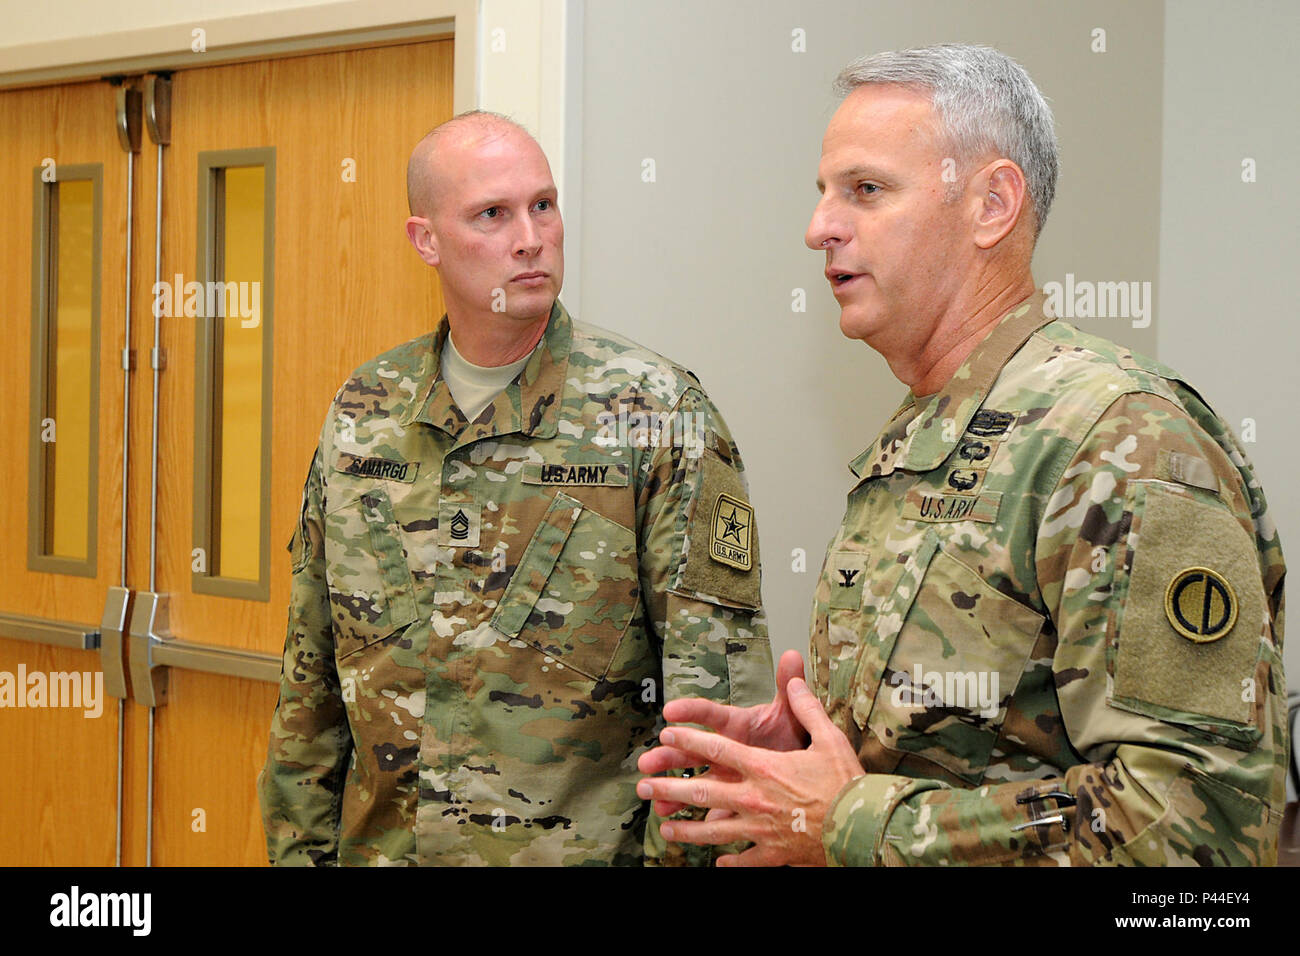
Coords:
733,527
1200,605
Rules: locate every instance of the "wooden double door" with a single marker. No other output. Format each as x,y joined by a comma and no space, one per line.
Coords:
156,447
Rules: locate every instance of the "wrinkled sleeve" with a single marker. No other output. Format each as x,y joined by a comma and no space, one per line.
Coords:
300,787
1162,574
706,613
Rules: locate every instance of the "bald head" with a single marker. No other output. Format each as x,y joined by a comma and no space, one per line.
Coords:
485,213
473,127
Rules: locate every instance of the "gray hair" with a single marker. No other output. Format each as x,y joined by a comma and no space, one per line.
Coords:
985,102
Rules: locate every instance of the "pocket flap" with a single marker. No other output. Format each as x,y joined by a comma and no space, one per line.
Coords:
387,544
535,566
370,587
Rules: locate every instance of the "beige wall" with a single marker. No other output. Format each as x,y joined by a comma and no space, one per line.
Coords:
68,19
1228,320
701,264
530,68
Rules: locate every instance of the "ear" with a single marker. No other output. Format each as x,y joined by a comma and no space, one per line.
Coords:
1005,201
420,232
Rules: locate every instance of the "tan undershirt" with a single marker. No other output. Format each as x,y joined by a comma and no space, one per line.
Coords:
474,387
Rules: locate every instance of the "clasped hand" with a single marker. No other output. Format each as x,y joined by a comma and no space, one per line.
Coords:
774,770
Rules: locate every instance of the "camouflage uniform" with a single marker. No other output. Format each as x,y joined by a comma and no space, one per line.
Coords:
1051,622
486,617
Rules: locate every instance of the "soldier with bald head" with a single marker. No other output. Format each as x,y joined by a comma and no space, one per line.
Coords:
520,535
1049,628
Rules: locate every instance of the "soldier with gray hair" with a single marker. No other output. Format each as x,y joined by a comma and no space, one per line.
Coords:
982,102
1049,628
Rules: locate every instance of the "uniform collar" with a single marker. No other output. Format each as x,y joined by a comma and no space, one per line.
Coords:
530,404
930,439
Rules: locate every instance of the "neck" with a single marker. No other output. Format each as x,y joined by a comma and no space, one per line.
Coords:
490,342
963,325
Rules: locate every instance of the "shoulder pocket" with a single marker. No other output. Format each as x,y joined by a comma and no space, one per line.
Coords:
303,546
575,589
299,546
720,563
371,593
1190,626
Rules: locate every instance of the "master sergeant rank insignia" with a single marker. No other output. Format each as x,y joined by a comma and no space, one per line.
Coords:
459,524
731,540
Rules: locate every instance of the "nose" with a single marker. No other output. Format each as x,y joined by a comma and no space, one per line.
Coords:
529,241
822,232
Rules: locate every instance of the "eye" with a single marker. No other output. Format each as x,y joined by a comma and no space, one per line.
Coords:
543,205
492,212
868,188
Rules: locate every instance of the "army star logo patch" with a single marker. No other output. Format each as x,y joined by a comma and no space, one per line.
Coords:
1200,605
730,542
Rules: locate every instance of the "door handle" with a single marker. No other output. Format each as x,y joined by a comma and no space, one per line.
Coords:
117,611
148,629
154,649
41,630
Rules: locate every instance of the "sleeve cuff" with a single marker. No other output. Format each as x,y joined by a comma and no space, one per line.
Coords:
853,832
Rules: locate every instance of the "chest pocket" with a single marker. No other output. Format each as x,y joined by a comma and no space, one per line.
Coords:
370,588
575,589
942,663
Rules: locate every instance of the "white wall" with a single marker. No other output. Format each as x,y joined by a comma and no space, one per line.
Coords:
68,19
530,69
700,263
1227,247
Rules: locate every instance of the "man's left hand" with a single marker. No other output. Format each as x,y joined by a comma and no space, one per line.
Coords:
777,799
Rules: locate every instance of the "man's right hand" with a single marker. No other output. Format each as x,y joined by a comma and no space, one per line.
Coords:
772,726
